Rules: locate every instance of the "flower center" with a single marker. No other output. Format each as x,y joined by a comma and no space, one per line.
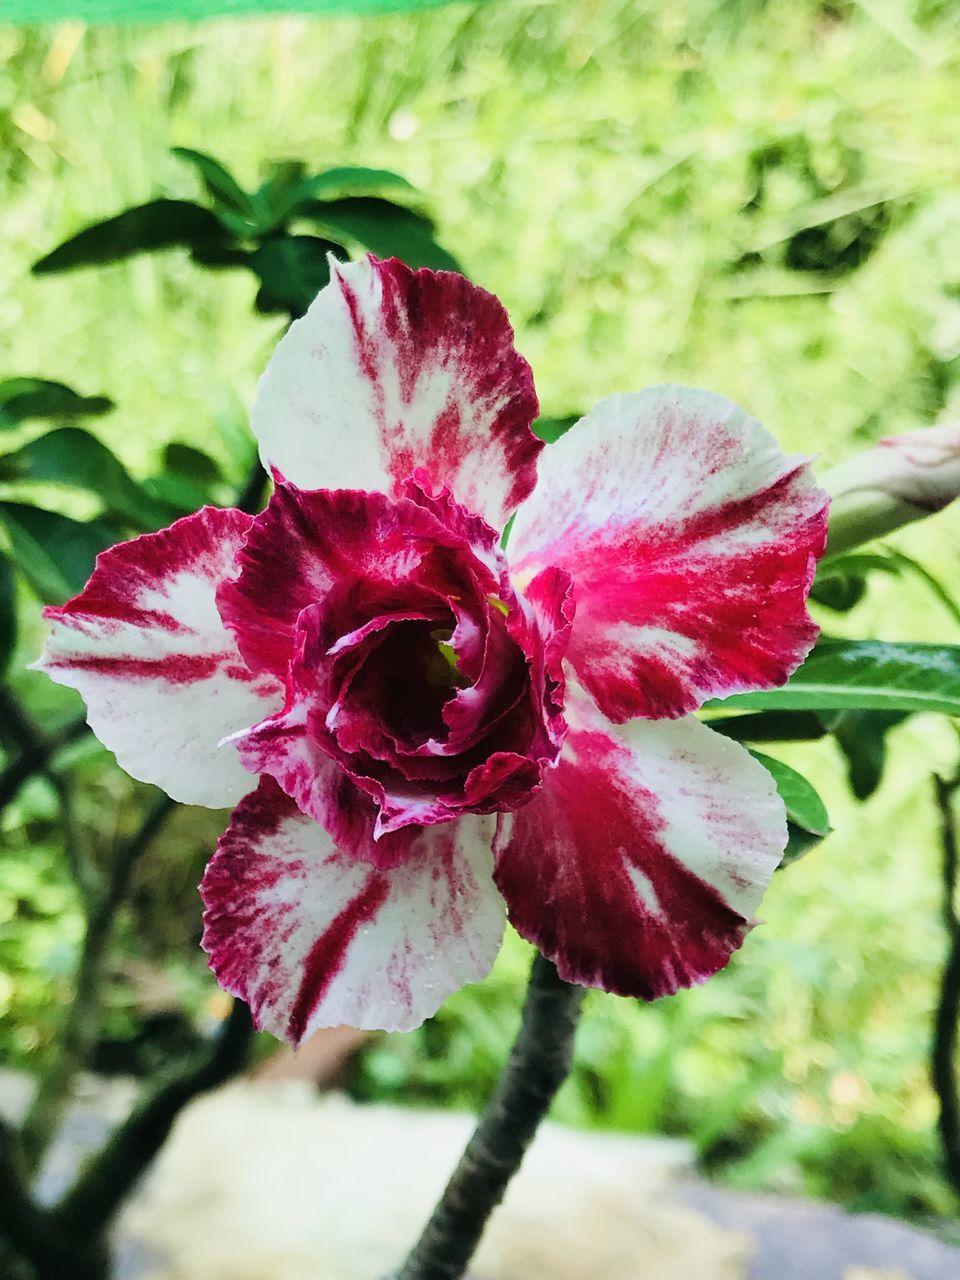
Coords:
412,676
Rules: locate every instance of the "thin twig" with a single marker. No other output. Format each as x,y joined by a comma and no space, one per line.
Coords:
78,1037
83,871
36,757
539,1062
23,1224
943,1068
111,1175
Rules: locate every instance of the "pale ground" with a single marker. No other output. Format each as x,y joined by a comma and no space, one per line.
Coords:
269,1181
365,1177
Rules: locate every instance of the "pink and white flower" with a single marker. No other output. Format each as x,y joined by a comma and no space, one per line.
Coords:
442,730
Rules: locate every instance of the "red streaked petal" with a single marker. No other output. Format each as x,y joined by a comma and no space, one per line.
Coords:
310,937
162,677
692,542
638,866
305,544
391,371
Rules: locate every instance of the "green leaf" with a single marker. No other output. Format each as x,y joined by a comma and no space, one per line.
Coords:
807,818
187,480
160,224
855,565
24,398
55,554
282,195
771,726
843,675
803,805
221,185
551,429
292,270
71,456
349,180
862,737
8,613
389,230
220,256
194,464
841,580
839,594
936,586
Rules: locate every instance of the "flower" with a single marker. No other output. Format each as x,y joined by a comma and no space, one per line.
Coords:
894,482
443,730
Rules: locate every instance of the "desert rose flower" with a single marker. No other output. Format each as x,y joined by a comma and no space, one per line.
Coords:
896,481
442,731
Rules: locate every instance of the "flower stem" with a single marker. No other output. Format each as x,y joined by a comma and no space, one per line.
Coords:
539,1062
943,1054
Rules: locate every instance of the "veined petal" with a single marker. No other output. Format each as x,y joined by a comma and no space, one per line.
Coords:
310,937
305,544
638,866
692,542
391,371
162,677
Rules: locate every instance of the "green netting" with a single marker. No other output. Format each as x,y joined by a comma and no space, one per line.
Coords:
19,11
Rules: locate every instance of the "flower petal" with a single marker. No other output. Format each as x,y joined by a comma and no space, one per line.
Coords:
692,542
392,370
161,676
310,937
639,865
308,543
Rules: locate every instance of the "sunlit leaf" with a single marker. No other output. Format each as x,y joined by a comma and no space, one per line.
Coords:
867,674
193,463
292,270
934,583
221,185
25,398
346,180
159,224
54,553
841,581
71,456
771,726
8,613
861,736
551,429
388,230
807,818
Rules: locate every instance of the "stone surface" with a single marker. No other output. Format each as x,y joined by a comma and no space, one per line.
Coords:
261,1183
803,1240
268,1181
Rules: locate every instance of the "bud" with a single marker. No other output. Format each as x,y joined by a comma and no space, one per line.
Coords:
899,480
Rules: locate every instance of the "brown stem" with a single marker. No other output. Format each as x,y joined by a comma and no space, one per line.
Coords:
33,749
110,1177
539,1062
943,1069
79,1034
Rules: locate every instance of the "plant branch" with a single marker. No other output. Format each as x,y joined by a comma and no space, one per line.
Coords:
79,1035
34,751
112,1174
539,1062
943,1068
22,1224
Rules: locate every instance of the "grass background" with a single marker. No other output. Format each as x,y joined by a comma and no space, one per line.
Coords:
760,198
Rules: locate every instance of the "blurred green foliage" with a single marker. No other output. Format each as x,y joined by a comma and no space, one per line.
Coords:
759,197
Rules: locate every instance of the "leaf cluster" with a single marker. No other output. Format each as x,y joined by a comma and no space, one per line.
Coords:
284,232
